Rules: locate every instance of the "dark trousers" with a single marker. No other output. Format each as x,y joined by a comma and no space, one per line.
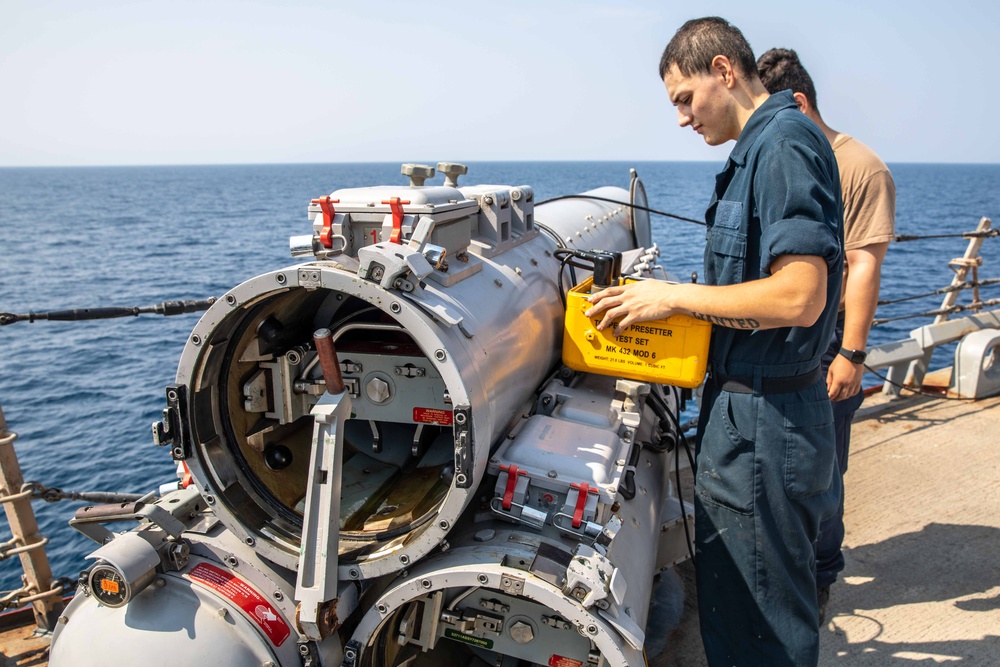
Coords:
829,556
765,478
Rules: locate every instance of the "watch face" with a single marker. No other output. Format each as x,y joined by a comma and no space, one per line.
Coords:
856,356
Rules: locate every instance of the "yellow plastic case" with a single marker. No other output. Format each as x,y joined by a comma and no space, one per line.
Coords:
671,351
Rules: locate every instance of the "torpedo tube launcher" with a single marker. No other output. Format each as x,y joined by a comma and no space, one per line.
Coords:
385,461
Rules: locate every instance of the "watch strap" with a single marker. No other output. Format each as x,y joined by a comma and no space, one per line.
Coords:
854,356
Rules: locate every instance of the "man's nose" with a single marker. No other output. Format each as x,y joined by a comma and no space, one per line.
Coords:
683,119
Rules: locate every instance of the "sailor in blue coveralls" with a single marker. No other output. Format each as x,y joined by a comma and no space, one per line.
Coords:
773,264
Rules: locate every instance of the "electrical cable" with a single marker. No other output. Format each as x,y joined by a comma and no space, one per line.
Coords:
677,461
916,392
624,203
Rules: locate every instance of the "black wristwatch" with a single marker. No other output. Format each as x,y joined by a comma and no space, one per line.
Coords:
855,356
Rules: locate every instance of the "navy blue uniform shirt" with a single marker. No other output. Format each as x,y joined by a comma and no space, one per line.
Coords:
779,194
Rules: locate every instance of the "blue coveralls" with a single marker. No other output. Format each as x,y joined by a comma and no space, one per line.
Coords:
765,457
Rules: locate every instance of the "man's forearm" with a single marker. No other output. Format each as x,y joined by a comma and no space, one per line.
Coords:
861,291
793,295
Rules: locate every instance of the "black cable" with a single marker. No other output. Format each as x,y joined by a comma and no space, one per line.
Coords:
677,468
624,203
567,258
552,233
916,392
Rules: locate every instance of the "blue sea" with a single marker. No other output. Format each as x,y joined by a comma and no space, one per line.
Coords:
82,395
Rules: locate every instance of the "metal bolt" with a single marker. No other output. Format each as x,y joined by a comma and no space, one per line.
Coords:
354,574
280,278
195,339
395,307
460,418
440,355
426,583
232,561
223,612
250,541
381,608
172,395
592,629
230,299
443,525
377,390
210,500
278,595
515,195
303,649
483,579
159,583
521,632
553,474
404,559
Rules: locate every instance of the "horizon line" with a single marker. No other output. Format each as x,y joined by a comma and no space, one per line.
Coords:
387,162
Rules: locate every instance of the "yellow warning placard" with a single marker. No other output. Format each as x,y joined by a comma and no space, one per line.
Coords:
671,351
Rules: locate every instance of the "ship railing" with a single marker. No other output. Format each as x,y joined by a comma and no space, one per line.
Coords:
39,589
907,361
27,542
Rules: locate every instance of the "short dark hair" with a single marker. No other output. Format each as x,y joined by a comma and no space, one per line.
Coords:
781,69
698,41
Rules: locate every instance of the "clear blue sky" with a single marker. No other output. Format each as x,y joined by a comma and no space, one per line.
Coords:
102,82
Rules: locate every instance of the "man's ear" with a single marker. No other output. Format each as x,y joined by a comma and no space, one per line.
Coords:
723,69
802,101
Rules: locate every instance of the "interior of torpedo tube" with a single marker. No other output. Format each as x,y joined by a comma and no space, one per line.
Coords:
399,441
477,627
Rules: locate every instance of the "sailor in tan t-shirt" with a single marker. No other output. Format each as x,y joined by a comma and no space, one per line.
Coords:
869,197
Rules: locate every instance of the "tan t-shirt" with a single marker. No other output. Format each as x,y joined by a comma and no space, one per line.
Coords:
869,195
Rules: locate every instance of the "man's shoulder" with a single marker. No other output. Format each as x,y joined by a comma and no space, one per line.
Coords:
793,126
853,154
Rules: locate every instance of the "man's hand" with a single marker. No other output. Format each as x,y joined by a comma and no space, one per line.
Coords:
843,379
632,302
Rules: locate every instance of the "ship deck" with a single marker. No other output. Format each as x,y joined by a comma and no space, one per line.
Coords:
921,585
922,580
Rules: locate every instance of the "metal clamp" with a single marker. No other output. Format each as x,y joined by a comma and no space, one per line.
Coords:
529,516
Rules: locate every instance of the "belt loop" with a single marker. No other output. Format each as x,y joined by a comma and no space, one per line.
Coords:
758,381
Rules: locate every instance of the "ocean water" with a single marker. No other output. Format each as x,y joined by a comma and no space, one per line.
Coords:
82,395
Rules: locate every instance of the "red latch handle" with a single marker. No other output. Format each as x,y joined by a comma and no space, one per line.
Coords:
326,205
396,206
513,472
581,500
